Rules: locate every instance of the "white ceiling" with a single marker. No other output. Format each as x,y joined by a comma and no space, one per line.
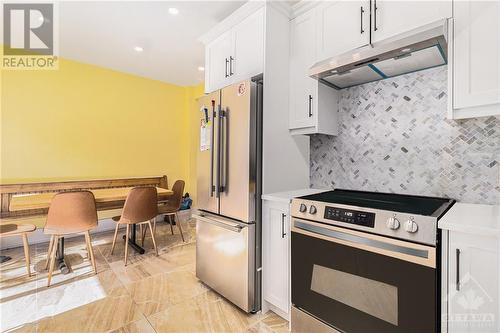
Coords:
105,34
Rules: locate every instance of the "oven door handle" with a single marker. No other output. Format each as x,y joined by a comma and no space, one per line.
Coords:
411,252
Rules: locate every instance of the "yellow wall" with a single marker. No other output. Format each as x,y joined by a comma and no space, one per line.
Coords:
86,122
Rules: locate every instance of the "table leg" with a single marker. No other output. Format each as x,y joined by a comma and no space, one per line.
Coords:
132,243
61,263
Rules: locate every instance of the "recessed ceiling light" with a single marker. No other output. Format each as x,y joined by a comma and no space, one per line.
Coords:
201,68
138,49
173,11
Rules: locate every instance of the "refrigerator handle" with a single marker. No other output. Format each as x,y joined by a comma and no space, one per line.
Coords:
219,145
212,187
225,152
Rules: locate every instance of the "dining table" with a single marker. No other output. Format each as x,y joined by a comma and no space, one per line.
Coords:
105,196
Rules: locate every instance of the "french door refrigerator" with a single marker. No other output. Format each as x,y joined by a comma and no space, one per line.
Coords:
228,193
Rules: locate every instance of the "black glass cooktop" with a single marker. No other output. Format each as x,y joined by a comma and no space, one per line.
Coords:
402,203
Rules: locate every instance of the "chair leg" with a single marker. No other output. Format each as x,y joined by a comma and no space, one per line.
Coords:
52,259
87,246
143,233
178,222
170,222
114,238
153,237
51,243
126,243
26,252
154,226
88,240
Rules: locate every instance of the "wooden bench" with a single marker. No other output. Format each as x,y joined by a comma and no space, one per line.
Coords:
29,202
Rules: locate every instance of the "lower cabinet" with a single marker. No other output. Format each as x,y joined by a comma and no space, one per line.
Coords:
276,257
473,283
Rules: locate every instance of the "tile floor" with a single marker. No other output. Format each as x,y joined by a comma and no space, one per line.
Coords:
151,294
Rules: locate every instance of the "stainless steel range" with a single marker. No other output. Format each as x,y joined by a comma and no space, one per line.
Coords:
366,262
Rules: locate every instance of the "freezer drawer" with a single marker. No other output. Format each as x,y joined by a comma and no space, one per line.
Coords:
225,258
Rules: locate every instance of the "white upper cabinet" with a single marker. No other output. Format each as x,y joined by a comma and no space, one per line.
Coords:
217,55
302,57
313,106
475,54
237,54
390,18
342,26
248,47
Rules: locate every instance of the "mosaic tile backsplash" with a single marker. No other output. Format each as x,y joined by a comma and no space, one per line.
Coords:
394,137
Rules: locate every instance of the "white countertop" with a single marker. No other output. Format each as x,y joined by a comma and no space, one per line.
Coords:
472,218
287,196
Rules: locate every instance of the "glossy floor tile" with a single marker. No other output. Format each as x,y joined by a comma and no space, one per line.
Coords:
151,294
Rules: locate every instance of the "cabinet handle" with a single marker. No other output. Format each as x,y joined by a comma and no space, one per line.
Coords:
362,11
310,106
457,253
375,16
225,68
231,66
283,233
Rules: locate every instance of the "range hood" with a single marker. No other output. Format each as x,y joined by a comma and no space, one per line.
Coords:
422,48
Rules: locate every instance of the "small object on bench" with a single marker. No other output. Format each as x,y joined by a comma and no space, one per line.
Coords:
186,202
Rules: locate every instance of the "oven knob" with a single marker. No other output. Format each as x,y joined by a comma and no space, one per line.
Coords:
302,208
393,223
411,226
312,209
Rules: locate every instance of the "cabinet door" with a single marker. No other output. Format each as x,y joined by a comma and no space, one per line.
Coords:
473,302
342,26
217,59
302,57
476,69
248,56
390,18
276,255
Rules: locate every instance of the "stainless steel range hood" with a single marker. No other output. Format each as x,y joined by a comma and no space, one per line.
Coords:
412,51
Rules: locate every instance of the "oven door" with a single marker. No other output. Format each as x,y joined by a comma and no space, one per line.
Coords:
357,282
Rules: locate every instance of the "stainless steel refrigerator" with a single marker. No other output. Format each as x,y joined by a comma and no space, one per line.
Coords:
228,193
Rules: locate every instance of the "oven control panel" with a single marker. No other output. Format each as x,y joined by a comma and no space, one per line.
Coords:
350,216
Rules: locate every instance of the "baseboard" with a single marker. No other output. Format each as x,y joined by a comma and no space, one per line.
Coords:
268,306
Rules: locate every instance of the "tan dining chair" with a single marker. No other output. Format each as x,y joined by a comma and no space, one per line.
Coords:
10,230
70,213
173,205
141,207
